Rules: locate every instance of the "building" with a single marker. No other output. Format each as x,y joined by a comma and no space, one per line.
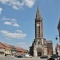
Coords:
20,51
40,45
49,48
58,45
59,29
13,50
6,49
2,49
57,49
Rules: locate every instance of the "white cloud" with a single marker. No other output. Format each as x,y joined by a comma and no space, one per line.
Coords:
23,45
29,3
19,31
9,21
16,4
14,24
1,10
13,3
13,35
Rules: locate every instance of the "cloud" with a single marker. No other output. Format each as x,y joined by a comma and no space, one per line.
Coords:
1,10
29,3
15,24
9,21
23,45
16,4
13,3
19,31
14,35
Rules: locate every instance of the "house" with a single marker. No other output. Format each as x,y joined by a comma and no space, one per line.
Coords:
2,49
20,51
57,49
7,49
13,50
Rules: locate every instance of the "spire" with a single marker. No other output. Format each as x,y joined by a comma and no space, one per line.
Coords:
38,16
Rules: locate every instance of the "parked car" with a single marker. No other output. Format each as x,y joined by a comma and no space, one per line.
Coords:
28,56
19,56
51,59
44,56
54,56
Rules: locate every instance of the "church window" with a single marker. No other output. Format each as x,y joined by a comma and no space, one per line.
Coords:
38,31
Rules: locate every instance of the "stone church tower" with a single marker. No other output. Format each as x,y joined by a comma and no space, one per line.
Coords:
39,45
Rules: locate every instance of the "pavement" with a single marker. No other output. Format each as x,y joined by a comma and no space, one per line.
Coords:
14,58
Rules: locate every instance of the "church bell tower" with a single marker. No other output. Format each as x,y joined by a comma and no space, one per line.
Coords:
38,41
38,26
40,45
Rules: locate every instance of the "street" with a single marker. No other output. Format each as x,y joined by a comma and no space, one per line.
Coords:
14,58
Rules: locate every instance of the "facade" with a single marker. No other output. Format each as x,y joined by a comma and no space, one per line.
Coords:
13,50
40,45
58,45
49,48
2,49
20,51
57,49
6,49
59,29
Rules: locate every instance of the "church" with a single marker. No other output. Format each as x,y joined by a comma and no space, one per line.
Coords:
40,46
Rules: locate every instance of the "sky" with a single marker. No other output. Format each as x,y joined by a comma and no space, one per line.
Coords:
17,19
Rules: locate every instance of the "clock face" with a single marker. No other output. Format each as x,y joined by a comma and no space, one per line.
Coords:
37,24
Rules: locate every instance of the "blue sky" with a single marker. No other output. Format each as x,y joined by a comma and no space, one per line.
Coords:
17,19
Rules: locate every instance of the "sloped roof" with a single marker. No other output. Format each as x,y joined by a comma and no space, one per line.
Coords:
10,47
1,45
20,49
7,47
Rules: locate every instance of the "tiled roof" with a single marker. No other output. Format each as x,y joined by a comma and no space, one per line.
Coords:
1,45
19,49
9,47
5,46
